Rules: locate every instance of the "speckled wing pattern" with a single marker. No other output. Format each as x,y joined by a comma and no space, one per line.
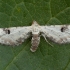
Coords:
16,35
57,33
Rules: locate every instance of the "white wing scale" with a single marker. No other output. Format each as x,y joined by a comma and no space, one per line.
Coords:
14,35
57,33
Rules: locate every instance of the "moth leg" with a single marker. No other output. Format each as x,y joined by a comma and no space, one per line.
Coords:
47,40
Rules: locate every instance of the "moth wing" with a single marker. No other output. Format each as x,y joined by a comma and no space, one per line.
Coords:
57,33
14,35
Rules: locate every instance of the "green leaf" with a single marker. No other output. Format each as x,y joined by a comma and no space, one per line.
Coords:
21,13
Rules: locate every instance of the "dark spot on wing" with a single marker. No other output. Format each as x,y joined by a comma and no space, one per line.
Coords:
8,31
63,29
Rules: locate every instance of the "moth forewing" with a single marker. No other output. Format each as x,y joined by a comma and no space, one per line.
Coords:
14,35
57,33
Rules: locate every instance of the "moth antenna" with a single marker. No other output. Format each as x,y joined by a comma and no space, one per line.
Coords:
47,40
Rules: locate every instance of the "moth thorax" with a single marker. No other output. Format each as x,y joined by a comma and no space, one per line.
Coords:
35,42
35,30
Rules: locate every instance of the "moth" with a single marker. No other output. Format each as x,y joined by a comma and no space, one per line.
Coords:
16,35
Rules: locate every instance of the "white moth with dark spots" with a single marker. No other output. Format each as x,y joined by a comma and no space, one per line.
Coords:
16,35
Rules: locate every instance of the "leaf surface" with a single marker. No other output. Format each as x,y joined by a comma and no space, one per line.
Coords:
15,13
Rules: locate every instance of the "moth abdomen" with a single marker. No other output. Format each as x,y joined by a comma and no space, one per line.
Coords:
35,42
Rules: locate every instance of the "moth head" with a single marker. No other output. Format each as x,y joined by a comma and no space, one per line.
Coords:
35,23
35,28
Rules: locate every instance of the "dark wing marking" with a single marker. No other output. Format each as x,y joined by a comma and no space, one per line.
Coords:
14,35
